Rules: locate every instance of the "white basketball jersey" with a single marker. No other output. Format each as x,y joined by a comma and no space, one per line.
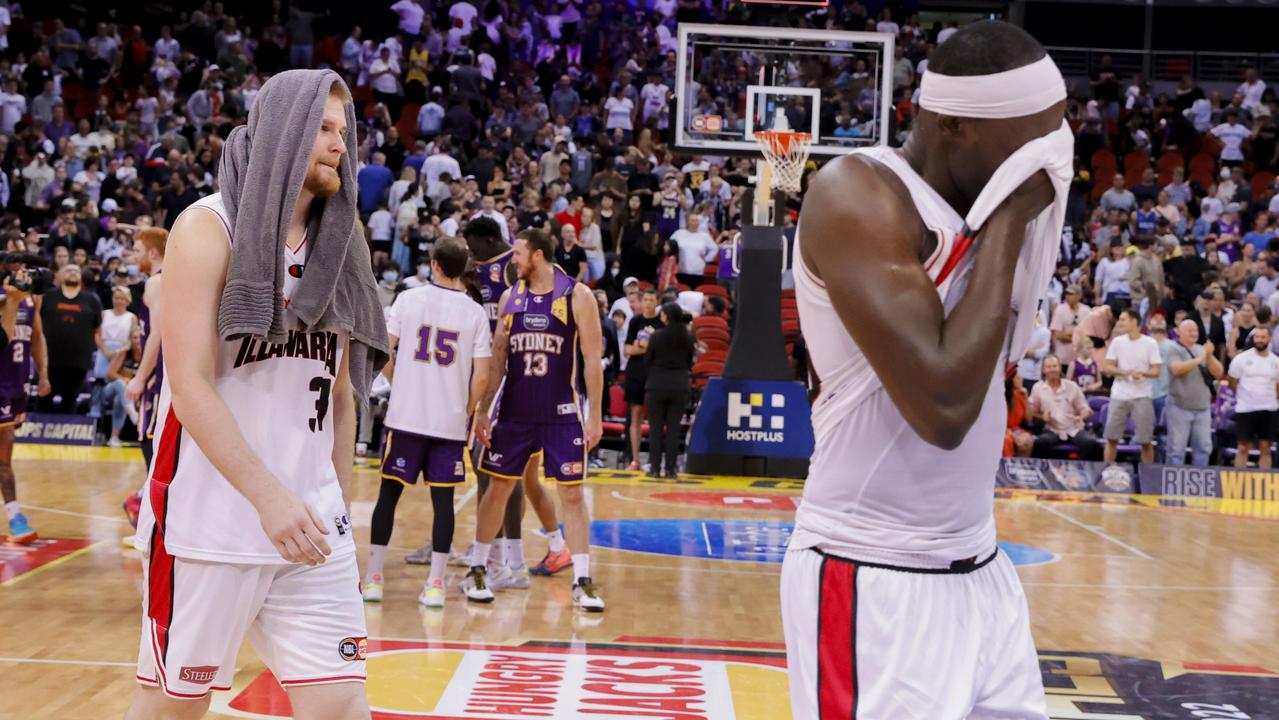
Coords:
280,396
876,491
440,332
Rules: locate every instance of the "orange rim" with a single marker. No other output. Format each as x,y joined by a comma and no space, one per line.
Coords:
780,141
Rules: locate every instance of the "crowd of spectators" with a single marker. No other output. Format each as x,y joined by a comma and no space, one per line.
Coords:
557,115
1157,334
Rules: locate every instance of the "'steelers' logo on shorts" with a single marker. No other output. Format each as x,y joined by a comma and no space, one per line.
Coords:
198,674
747,415
353,648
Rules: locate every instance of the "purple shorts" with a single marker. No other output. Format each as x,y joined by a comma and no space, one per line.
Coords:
407,454
11,406
562,445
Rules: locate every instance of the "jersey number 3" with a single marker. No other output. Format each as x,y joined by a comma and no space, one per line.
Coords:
323,386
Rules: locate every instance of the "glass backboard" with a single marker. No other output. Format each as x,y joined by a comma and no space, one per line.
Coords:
734,80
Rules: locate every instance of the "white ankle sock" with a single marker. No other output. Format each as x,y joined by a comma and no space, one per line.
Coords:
439,561
556,539
497,555
514,553
581,566
12,509
377,559
480,555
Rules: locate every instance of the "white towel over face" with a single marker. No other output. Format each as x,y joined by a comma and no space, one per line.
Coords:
1053,153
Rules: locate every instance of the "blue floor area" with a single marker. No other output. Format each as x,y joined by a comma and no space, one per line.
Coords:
739,540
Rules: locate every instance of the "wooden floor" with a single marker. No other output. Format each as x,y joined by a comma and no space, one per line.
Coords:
1139,612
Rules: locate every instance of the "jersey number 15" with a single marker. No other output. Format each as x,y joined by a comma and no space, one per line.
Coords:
445,349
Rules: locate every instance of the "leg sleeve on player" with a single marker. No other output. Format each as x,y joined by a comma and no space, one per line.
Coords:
213,605
310,630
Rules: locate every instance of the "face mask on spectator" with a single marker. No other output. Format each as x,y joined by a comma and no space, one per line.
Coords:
131,269
614,271
389,276
423,271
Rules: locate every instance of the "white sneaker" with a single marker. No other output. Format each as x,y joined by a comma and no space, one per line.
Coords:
585,597
115,443
463,560
505,577
475,586
373,587
432,595
420,556
361,450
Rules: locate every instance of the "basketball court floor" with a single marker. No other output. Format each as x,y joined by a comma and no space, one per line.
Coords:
1139,610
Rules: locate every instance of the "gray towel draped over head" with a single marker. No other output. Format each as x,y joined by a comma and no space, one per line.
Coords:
263,167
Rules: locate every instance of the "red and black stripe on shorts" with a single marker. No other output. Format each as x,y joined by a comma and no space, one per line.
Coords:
837,640
160,569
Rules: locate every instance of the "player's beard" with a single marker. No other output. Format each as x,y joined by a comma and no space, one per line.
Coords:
525,272
322,181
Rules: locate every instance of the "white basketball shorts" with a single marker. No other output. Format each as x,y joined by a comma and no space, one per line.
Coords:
306,623
871,642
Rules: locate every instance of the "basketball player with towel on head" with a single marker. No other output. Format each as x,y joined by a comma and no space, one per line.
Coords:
437,379
272,335
547,345
896,602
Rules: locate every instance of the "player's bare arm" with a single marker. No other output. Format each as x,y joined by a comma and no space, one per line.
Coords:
865,241
40,351
388,370
497,369
344,424
587,316
481,367
197,262
151,352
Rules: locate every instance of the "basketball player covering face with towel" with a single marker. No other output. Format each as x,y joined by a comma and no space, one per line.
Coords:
273,332
920,274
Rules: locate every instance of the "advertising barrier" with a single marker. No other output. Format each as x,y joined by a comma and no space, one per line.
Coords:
1080,475
56,429
1226,483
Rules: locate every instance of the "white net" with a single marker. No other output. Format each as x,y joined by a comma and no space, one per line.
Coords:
786,153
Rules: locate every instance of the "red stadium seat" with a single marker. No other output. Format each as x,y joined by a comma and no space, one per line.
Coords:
1261,182
1136,160
1101,181
710,321
710,356
714,290
1103,158
1203,164
708,334
714,343
616,401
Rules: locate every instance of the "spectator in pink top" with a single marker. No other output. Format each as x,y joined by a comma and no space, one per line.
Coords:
1060,403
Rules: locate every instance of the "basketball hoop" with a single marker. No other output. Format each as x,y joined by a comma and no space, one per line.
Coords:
786,152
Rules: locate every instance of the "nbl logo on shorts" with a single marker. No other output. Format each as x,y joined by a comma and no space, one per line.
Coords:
750,419
353,648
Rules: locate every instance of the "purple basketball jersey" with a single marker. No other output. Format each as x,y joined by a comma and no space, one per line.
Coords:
491,275
15,360
668,212
543,367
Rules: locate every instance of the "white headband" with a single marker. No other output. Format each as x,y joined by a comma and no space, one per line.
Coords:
1014,93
